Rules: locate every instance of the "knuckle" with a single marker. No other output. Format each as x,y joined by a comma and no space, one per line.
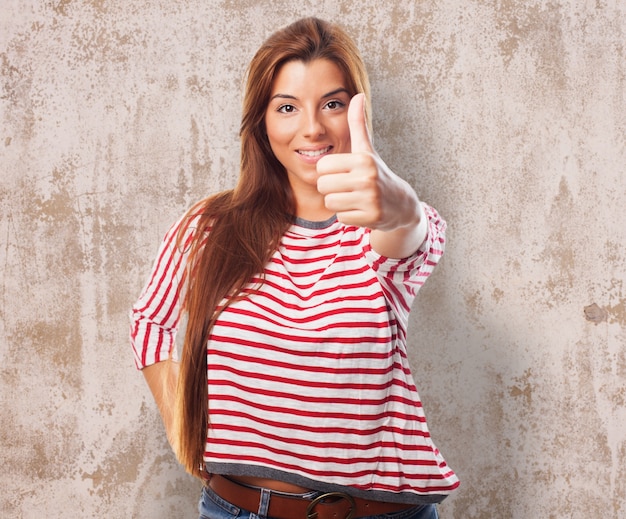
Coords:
366,160
377,216
370,183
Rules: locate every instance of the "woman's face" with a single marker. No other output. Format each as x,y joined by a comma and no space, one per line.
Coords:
306,119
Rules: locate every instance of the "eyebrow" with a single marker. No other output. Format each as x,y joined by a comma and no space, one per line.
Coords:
329,94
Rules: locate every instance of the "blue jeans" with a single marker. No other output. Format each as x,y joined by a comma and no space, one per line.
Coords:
213,506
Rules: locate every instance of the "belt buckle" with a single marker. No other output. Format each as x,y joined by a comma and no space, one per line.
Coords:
310,514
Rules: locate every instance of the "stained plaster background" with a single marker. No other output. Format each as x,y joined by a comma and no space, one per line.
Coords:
508,116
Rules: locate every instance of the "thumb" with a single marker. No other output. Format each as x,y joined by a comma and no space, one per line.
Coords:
359,133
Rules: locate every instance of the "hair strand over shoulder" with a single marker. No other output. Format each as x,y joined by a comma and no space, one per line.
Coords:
238,231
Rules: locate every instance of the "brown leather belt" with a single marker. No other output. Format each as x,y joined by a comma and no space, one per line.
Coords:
332,505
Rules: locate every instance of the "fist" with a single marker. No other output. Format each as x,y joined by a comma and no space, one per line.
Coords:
359,187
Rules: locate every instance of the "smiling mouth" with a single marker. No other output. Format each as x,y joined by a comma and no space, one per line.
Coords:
315,153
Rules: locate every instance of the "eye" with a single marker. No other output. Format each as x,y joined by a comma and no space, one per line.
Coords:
335,105
286,109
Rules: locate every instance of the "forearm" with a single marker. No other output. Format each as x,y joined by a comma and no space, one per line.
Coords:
162,379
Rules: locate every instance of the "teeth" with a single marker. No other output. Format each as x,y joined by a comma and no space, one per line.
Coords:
316,153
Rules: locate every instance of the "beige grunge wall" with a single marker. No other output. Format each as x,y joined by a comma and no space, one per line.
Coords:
508,116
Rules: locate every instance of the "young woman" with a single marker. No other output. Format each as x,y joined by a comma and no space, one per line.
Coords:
289,297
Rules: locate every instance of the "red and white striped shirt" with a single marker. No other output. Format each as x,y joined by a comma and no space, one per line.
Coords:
309,380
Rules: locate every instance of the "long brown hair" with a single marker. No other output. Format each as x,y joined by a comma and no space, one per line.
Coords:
238,230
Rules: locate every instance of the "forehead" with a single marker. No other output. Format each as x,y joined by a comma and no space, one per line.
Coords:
299,78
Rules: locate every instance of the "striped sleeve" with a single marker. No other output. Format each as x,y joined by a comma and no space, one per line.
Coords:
401,279
155,316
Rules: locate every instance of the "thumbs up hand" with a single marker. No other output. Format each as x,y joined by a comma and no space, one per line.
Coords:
362,190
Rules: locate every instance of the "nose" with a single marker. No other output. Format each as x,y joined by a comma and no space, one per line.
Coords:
312,124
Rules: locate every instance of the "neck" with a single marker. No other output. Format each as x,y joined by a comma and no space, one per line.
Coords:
313,212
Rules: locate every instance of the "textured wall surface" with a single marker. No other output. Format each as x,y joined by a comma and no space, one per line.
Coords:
509,116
